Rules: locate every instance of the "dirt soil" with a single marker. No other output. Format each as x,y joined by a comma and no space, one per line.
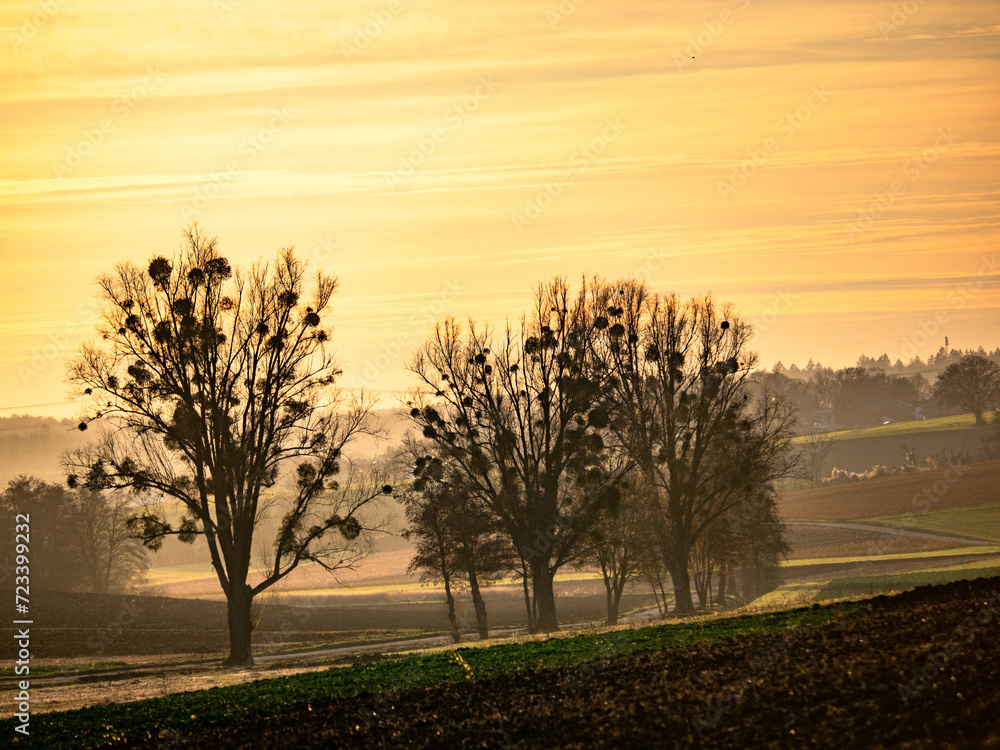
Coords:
918,670
955,487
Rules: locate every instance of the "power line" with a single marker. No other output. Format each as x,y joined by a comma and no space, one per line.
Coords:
36,406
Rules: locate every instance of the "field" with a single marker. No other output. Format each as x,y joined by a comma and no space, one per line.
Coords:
889,534
916,670
913,427
918,492
848,540
981,522
843,588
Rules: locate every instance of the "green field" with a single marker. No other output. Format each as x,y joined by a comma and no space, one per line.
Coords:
971,550
801,593
980,522
142,720
841,588
963,422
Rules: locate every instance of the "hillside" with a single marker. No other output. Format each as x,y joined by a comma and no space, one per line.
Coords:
954,487
32,445
859,450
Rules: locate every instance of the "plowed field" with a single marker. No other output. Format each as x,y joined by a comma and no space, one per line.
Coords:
918,670
954,487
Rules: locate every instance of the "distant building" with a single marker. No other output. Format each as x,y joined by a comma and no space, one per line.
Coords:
823,419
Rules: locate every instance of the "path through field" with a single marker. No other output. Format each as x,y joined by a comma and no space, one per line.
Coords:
890,530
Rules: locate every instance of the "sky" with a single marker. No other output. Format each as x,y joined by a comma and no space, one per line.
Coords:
829,168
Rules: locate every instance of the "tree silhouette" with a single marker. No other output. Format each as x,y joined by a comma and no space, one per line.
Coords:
110,555
457,537
972,383
619,542
211,381
56,559
522,420
683,408
80,539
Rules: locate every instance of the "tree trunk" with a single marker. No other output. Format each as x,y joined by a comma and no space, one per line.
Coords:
663,595
613,589
656,598
681,580
706,603
722,589
544,595
701,586
239,601
478,604
616,603
452,617
527,597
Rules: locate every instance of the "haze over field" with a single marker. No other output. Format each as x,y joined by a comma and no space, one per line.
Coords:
830,168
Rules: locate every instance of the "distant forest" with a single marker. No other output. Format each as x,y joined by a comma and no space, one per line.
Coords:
933,364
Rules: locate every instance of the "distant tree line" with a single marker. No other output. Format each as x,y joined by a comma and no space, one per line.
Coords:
934,363
866,394
79,539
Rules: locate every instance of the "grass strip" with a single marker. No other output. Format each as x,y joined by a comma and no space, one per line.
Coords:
103,726
908,427
889,584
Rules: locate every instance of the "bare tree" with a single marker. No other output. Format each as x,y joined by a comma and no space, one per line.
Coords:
110,555
211,382
758,545
972,383
56,563
814,447
522,420
457,536
684,410
618,541
81,538
433,556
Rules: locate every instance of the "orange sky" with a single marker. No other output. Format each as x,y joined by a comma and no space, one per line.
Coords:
443,158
